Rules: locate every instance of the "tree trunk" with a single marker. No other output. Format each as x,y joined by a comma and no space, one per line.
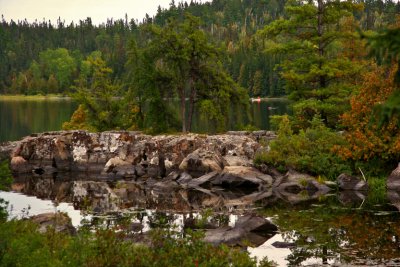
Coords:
321,52
183,109
191,104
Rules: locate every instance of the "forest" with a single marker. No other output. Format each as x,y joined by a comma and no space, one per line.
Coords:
337,61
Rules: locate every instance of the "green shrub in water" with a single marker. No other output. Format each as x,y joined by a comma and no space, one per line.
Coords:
308,151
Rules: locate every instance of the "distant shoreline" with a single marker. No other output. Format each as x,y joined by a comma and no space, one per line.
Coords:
34,97
266,99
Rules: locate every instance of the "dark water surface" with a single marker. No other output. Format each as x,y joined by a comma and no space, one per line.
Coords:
19,118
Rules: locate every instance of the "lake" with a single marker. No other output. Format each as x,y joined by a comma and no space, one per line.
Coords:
339,229
20,117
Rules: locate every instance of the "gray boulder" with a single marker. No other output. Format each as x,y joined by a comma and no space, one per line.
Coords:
348,182
202,161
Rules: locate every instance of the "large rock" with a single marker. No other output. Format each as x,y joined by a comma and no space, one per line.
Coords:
393,181
348,182
114,152
236,176
201,162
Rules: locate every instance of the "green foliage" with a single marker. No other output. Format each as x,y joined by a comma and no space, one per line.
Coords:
98,95
78,121
179,61
315,69
5,176
22,245
308,151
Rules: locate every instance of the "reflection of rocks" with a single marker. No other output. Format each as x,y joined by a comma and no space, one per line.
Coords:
279,244
60,222
238,176
394,198
349,197
97,196
348,182
248,230
393,181
298,187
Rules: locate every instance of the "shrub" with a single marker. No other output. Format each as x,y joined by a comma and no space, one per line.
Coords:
308,151
5,176
22,245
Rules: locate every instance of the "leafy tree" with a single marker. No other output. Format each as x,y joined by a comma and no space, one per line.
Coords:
385,47
311,38
59,63
191,65
367,140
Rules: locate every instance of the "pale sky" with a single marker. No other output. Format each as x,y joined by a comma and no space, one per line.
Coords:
75,10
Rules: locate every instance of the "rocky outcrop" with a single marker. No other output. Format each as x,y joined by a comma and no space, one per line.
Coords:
131,154
107,171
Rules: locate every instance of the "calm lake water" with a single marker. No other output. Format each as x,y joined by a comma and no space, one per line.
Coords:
19,118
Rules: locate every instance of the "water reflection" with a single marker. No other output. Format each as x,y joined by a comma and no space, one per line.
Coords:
342,228
19,118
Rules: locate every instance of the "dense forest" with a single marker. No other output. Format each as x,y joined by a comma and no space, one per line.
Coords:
46,57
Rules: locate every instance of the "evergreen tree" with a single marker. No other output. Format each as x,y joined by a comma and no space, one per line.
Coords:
315,76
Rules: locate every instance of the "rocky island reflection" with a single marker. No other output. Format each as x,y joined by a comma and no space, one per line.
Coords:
208,182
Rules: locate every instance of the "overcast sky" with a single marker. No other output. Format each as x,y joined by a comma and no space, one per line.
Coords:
68,10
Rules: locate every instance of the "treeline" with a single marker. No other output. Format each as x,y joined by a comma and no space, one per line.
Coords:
44,57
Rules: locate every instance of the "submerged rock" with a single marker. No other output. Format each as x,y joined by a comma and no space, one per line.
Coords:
248,230
60,222
348,182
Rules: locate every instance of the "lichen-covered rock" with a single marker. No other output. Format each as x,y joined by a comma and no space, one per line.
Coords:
201,162
81,151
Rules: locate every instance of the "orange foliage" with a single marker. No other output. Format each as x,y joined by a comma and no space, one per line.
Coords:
366,139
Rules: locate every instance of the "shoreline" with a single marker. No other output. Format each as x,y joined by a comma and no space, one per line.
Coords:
34,97
266,99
